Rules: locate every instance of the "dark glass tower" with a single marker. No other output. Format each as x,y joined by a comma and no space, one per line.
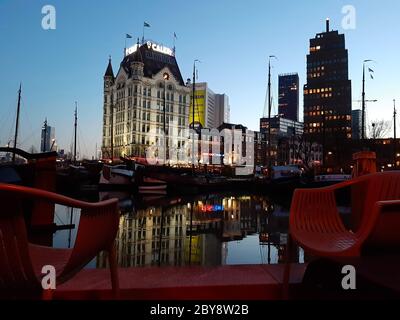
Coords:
289,96
327,94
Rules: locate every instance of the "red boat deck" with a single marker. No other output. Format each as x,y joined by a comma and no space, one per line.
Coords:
245,282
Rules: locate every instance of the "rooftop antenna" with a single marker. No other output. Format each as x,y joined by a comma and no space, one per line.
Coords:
175,38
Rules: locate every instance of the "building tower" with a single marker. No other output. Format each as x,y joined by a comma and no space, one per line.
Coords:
327,96
107,110
289,96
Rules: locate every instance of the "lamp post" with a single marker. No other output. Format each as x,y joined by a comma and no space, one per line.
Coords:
193,112
166,78
363,101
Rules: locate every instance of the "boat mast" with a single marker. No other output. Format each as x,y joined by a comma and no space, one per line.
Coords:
395,133
17,121
269,113
269,116
75,129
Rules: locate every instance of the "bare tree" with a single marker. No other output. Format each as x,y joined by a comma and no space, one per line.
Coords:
379,129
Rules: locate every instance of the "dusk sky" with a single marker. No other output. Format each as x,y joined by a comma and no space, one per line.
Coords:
232,39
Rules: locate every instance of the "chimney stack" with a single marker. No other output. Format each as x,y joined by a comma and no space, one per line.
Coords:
327,25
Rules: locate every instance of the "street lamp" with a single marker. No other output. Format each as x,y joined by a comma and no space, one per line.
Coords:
193,111
363,100
166,78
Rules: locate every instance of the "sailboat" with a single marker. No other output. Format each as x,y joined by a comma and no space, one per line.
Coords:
76,176
27,169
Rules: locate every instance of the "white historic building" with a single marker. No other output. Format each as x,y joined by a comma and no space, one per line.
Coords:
147,94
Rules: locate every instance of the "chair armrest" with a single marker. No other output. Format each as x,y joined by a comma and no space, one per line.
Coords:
39,194
336,186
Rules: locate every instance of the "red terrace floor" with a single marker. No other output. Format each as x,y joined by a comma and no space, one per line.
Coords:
253,282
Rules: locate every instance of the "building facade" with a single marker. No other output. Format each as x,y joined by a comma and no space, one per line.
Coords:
289,96
146,98
283,132
356,124
211,109
327,94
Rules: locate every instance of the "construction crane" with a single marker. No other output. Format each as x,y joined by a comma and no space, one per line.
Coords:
365,100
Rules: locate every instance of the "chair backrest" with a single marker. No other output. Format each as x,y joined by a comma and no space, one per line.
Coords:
385,235
382,187
16,271
370,189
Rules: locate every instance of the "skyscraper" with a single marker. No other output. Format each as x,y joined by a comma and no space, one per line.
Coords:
211,109
47,140
327,94
289,96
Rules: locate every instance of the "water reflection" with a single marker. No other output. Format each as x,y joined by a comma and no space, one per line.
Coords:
208,230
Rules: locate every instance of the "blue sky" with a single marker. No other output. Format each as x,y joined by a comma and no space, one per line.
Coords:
232,39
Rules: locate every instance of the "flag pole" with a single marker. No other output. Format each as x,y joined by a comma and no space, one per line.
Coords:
143,34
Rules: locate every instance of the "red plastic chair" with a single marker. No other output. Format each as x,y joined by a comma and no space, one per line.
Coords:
21,262
316,226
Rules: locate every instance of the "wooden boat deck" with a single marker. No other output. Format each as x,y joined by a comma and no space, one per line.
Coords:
245,282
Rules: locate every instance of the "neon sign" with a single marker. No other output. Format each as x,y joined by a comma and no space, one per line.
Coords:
153,46
211,208
159,48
